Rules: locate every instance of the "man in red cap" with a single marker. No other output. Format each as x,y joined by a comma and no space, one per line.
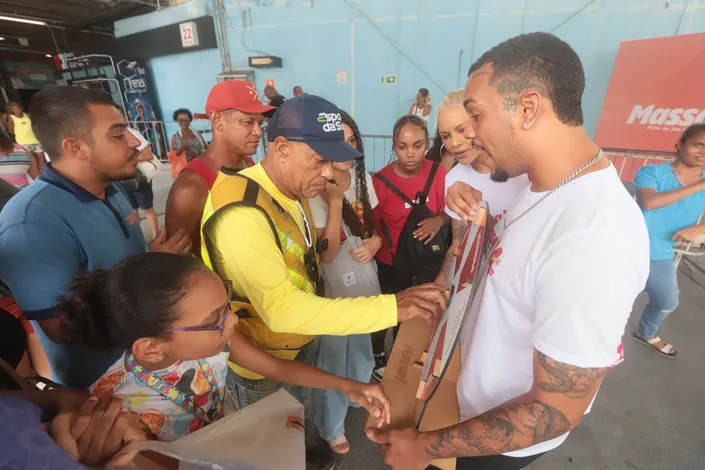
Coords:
236,113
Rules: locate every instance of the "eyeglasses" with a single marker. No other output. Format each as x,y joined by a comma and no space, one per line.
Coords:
221,325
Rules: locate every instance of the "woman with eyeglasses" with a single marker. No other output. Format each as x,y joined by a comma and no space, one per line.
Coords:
186,139
172,316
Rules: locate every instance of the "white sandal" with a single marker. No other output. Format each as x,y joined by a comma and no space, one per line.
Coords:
666,350
340,442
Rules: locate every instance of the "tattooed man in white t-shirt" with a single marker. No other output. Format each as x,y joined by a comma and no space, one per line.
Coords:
567,261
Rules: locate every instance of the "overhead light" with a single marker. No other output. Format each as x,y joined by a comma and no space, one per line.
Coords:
22,20
2,38
48,55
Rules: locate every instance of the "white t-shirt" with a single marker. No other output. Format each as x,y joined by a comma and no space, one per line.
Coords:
563,281
500,196
319,207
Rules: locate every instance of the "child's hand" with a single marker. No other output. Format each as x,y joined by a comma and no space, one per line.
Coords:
373,399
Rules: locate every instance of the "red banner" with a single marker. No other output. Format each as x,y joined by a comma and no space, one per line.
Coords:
656,91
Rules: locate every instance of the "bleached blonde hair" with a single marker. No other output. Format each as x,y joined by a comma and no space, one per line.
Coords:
454,98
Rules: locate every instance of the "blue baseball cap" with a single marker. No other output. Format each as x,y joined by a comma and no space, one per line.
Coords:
317,123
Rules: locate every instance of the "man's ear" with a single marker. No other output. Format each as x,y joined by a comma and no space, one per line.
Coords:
283,147
216,120
150,350
529,106
75,147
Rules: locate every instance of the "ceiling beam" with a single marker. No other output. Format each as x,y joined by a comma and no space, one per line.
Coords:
33,8
107,14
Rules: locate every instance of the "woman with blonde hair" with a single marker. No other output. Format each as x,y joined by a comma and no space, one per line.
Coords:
472,167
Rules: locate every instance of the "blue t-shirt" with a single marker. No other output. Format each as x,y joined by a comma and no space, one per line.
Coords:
663,223
51,231
24,443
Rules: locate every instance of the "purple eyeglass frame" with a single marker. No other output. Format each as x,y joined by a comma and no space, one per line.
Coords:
221,326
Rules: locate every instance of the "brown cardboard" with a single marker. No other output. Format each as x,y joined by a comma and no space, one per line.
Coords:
401,381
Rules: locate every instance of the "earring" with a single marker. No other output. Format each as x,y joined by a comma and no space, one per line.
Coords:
524,126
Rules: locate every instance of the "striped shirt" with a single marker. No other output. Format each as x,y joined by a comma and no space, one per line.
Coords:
14,167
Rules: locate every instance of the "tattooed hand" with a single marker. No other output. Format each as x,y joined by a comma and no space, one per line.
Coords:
402,448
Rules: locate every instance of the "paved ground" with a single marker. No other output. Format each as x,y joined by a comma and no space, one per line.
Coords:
648,415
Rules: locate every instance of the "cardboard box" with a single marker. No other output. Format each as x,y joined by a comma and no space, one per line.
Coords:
401,382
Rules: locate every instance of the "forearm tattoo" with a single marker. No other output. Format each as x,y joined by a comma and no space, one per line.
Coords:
500,430
458,234
516,426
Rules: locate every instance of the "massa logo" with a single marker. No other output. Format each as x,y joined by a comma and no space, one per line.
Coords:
332,122
653,116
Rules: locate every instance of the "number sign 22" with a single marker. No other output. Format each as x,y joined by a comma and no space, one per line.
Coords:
189,34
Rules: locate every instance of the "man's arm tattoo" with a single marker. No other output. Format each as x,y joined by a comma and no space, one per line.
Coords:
500,430
458,234
571,381
459,231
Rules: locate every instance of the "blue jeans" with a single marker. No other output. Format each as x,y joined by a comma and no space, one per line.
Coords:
662,287
345,356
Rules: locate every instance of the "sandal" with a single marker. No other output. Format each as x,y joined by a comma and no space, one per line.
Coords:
340,445
666,350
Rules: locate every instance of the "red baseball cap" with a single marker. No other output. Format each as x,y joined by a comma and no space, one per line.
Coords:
236,94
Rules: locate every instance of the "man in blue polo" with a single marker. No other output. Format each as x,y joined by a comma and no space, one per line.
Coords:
73,218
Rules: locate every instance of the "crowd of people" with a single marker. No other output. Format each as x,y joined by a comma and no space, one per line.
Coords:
289,273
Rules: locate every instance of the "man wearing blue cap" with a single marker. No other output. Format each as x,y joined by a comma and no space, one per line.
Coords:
257,232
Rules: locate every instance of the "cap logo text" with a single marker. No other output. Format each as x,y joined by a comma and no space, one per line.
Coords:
332,122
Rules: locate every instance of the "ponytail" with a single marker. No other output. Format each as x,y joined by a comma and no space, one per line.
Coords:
136,298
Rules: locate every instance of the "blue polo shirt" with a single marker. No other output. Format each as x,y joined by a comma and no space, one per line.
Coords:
663,223
51,231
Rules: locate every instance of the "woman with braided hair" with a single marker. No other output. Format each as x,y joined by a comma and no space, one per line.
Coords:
344,219
409,174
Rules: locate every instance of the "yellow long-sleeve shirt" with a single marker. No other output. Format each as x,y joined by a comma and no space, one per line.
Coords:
246,250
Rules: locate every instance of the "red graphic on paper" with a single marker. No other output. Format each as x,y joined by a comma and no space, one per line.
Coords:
467,275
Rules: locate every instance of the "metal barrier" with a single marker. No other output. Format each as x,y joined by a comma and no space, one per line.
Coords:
628,162
378,151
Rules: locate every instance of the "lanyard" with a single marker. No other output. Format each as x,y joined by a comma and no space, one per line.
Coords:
177,396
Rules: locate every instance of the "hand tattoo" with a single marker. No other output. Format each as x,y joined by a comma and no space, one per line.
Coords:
571,381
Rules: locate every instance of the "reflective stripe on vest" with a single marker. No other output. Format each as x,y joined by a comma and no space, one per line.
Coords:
234,190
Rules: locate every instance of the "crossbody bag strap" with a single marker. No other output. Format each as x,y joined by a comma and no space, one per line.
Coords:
429,181
394,189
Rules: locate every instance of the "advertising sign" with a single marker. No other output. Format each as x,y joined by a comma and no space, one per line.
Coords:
655,93
139,101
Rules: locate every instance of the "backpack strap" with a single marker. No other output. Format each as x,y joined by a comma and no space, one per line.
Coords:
394,189
429,181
